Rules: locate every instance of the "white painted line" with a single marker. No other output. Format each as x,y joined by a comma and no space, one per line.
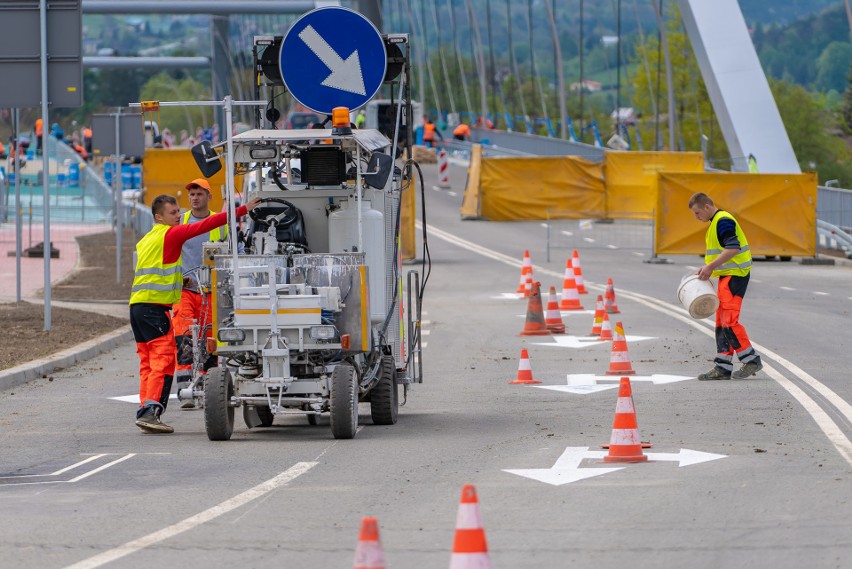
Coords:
611,247
818,293
425,322
425,332
835,435
567,233
104,467
656,378
543,225
194,521
451,193
638,254
588,240
787,288
508,296
424,344
60,471
424,313
758,281
692,268
436,188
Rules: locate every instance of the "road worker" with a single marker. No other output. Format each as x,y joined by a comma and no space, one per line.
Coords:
194,305
429,132
727,257
462,132
156,287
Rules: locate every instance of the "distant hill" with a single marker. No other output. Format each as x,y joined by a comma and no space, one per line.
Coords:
783,11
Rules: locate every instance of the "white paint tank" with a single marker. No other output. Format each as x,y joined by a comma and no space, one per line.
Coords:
343,238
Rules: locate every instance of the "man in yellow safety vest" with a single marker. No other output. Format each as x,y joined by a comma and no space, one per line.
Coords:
157,285
727,257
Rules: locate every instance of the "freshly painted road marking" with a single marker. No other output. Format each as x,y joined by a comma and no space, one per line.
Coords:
566,313
611,247
567,469
588,240
425,332
11,480
508,296
819,293
567,233
194,521
568,341
823,420
61,470
638,254
586,383
135,398
424,344
452,193
543,225
787,288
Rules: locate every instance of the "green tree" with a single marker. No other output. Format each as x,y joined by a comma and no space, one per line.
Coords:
163,87
811,130
846,108
833,66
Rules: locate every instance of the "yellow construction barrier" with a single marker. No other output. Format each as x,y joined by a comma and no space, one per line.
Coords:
776,211
471,204
528,187
631,179
169,170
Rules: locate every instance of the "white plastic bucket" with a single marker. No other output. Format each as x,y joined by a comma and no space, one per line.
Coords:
698,297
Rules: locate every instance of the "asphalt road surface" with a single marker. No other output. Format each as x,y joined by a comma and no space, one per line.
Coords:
83,488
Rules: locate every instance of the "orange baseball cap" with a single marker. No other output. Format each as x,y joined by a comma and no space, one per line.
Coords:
200,182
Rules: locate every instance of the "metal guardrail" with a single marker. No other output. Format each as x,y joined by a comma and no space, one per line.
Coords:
534,145
834,206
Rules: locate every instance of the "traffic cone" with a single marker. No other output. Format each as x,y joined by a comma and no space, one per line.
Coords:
525,375
526,269
606,328
534,325
619,361
528,285
599,316
578,273
625,444
552,316
610,305
470,549
570,296
368,553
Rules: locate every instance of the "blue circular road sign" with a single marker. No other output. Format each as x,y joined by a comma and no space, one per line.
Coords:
333,57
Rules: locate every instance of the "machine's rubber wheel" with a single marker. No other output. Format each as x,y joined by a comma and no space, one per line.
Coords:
218,413
344,402
384,400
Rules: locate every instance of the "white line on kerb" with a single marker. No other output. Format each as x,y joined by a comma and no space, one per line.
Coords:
194,521
835,435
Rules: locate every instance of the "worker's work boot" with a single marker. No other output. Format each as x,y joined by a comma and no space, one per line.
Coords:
747,370
150,423
714,374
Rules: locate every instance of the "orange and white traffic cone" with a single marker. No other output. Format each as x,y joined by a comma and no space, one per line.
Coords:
578,273
470,549
570,296
534,324
597,322
619,361
525,375
369,553
624,443
610,304
606,328
526,269
552,316
528,284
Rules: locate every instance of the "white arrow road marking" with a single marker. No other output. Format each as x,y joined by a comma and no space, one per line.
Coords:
135,398
345,74
567,467
656,379
11,480
578,389
566,470
508,296
566,341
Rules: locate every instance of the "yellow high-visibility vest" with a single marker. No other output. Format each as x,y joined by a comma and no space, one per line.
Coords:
740,264
216,234
154,281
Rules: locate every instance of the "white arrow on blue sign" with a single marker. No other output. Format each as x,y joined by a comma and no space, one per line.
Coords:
333,57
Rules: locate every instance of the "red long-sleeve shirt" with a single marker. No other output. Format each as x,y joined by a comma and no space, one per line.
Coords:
177,235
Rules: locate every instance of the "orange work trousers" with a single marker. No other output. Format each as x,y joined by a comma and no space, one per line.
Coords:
731,336
155,345
193,308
